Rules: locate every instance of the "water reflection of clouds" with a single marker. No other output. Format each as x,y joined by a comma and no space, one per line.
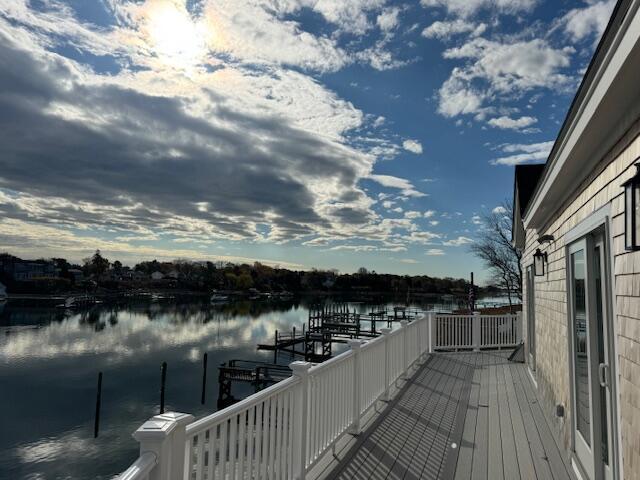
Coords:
134,333
55,449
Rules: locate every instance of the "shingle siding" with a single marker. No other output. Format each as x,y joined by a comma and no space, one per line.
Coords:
552,373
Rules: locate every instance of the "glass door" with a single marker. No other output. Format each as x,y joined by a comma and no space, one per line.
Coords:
590,334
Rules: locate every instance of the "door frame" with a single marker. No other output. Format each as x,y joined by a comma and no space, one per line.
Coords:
598,219
531,326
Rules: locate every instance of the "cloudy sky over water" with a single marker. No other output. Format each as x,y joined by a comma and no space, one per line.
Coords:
312,133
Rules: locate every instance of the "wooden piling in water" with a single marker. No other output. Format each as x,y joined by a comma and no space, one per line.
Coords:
96,425
163,380
204,378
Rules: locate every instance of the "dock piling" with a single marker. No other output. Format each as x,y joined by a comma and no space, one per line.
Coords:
96,425
163,381
204,378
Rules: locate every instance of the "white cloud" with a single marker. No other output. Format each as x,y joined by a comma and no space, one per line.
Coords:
444,30
435,252
457,242
505,122
350,16
523,153
379,57
467,8
409,261
412,214
499,210
476,220
221,96
379,121
458,97
422,237
434,223
429,213
388,19
402,184
413,146
495,70
580,23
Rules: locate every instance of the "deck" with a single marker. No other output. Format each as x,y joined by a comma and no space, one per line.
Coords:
461,416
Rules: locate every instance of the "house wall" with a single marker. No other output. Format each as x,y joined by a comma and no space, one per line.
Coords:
552,373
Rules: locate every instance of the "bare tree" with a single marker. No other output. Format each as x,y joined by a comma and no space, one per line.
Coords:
495,249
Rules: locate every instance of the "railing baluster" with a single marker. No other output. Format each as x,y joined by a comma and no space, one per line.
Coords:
242,426
251,430
257,468
223,449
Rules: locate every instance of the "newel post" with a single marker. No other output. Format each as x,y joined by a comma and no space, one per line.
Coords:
300,421
405,362
387,367
475,331
432,325
165,436
518,327
355,346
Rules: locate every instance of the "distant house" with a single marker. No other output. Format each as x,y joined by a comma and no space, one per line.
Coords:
26,270
581,263
173,274
157,276
77,274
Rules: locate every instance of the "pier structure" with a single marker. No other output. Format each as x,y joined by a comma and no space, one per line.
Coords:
258,374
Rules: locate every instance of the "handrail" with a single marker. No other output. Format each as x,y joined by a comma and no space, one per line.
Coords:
141,468
252,400
332,362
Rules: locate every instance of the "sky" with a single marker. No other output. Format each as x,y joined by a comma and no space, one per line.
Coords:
324,134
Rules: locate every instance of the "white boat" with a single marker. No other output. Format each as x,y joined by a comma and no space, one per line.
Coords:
219,298
79,301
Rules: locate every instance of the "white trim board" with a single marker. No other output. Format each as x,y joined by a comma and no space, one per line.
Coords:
589,224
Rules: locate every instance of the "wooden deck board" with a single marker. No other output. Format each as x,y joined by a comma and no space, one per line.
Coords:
479,467
559,467
480,401
414,444
509,455
495,465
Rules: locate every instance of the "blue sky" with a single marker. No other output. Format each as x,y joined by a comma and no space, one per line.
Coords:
304,133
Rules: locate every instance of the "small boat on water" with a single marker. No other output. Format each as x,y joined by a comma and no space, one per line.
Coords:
78,301
219,298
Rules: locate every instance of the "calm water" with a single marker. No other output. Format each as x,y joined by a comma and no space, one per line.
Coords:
49,362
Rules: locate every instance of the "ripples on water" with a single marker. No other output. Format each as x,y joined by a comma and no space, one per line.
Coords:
50,359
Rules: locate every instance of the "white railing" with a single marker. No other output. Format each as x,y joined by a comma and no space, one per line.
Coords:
251,439
458,332
283,431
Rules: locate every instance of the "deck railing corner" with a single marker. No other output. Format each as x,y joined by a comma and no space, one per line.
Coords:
164,437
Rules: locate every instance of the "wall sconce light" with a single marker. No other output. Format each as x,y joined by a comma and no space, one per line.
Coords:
539,261
632,211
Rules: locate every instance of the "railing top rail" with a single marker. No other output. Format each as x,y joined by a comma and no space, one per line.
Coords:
140,468
372,343
467,315
210,420
321,367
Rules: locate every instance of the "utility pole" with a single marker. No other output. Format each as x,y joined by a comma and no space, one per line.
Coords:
472,295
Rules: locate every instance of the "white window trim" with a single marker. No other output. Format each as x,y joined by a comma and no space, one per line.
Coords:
589,224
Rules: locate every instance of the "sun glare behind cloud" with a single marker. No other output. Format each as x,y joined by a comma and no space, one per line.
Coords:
174,36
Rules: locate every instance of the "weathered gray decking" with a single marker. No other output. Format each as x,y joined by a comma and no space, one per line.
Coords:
480,402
